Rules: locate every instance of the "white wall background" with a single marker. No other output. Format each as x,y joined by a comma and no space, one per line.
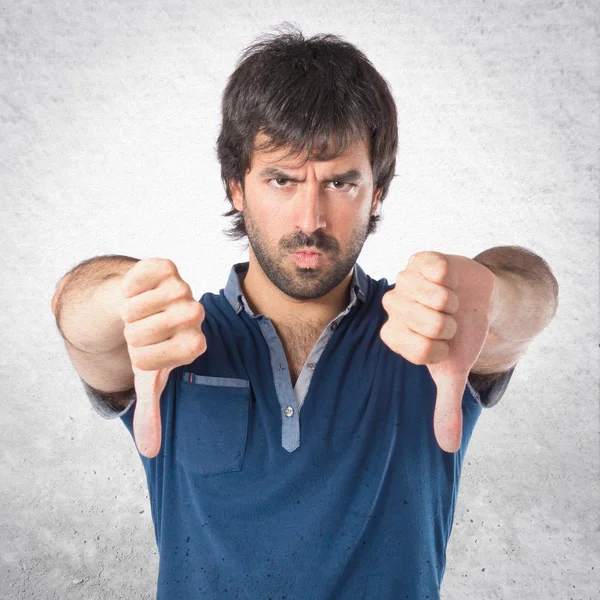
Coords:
109,115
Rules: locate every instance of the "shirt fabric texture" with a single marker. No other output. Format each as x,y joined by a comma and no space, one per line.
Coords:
335,488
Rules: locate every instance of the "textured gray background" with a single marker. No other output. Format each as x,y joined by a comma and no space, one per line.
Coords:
110,113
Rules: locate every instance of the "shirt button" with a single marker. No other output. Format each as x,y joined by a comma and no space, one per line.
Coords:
333,326
289,411
311,366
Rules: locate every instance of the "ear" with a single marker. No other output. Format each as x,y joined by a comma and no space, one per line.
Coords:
236,194
376,200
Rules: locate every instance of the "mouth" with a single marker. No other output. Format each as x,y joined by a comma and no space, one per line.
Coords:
307,258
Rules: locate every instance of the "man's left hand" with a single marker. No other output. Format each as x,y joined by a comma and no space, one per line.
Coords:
439,314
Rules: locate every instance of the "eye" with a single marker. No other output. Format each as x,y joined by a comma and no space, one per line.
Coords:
351,185
338,185
278,180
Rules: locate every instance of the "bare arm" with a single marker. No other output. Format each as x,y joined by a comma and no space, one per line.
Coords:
526,301
87,307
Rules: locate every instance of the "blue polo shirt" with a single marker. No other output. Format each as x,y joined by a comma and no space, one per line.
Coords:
332,489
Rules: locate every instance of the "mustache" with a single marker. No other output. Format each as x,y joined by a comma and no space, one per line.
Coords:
318,240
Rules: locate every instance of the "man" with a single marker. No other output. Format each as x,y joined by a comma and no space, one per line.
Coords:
303,431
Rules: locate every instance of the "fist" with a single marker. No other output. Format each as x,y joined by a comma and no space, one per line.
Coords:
162,320
439,315
421,309
162,328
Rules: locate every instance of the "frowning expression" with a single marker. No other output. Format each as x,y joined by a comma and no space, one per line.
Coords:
307,221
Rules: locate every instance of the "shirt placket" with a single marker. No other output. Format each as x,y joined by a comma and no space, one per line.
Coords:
290,402
290,415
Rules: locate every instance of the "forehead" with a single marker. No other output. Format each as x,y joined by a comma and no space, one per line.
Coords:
357,153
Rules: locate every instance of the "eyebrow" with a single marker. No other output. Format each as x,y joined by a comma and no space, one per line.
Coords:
350,175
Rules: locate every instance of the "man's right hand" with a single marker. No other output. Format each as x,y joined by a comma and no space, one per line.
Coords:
163,331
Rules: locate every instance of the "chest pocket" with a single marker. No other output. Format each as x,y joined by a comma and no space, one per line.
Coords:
211,423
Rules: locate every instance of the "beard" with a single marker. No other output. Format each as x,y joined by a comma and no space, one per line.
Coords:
305,283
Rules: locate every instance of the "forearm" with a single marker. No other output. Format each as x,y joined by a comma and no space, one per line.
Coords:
525,302
526,295
87,304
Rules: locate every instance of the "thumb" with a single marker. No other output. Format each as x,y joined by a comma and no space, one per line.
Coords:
447,416
475,290
149,386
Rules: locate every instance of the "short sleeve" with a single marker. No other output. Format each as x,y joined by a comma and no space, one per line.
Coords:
491,395
101,404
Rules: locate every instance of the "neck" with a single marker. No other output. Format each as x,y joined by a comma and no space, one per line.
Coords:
266,299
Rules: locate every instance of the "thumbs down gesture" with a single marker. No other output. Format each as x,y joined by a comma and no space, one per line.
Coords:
439,314
163,330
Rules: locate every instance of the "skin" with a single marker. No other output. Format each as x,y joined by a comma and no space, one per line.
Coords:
316,213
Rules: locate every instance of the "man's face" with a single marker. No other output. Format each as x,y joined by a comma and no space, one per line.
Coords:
307,223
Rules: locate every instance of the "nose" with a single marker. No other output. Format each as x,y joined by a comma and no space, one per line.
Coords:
309,209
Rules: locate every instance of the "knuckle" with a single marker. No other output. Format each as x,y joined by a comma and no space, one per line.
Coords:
442,298
417,359
425,255
441,265
435,263
390,339
415,257
437,325
385,301
146,262
384,332
194,314
199,312
192,345
400,276
198,344
181,289
431,255
393,302
167,266
387,336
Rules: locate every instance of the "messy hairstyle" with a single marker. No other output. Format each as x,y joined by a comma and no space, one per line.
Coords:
316,96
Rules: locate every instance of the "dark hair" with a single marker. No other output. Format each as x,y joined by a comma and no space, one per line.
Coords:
316,96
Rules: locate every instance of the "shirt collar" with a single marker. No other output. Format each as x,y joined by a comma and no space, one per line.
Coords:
235,295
